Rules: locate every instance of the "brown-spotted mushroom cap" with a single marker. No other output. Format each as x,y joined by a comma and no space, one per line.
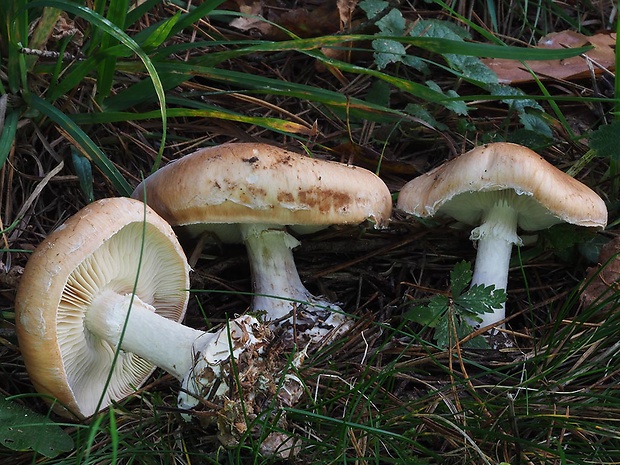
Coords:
97,253
250,192
260,183
500,187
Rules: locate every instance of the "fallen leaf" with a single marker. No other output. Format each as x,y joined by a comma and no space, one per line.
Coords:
252,19
345,11
276,23
600,58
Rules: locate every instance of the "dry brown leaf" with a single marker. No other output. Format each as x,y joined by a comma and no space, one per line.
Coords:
273,23
254,20
601,57
345,11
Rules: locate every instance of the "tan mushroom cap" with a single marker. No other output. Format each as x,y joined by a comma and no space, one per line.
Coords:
97,248
259,183
543,194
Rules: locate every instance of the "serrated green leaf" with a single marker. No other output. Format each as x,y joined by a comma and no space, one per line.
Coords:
387,52
422,113
443,335
22,429
417,63
605,141
457,106
430,314
373,7
480,299
392,24
517,100
535,123
471,68
460,277
439,29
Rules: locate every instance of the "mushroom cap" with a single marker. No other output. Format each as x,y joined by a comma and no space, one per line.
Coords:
259,183
464,187
99,248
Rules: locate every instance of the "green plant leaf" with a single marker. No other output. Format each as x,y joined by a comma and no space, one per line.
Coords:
160,33
516,99
379,94
373,7
430,314
392,24
111,29
422,113
116,14
451,316
439,29
606,141
387,52
481,299
451,103
175,73
460,277
536,124
82,168
22,429
8,135
443,336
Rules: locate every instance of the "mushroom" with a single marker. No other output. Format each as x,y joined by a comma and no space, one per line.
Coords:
500,187
251,192
114,276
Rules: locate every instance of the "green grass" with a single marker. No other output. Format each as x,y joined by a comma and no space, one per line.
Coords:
142,86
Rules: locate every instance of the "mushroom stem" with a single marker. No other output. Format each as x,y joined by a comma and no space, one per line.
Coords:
495,238
193,357
163,342
279,291
276,282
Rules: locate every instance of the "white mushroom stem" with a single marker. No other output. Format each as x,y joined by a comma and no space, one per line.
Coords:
193,357
495,238
276,282
163,342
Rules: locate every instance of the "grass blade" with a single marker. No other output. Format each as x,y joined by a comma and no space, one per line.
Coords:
84,143
106,26
8,135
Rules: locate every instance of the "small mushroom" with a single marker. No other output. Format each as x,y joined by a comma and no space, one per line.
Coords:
501,187
114,273
251,193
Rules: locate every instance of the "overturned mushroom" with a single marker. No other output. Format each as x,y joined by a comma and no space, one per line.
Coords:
501,187
251,193
114,276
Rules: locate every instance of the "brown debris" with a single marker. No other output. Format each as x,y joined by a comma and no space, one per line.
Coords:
598,60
